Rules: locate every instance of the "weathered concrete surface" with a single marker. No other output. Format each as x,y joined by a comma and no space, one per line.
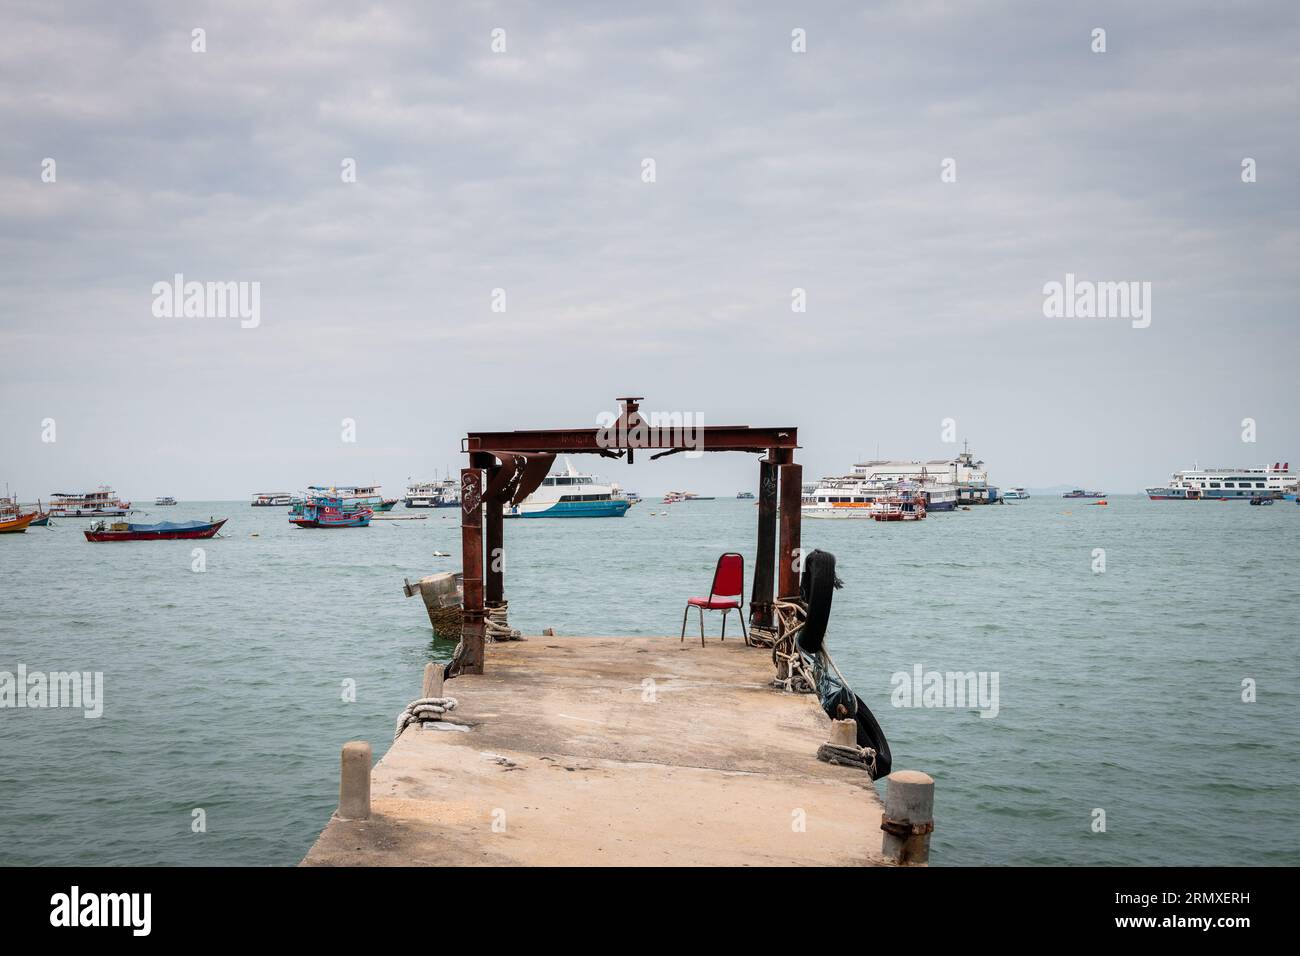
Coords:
631,751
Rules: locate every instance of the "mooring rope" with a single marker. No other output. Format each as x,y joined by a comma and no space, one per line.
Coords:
849,756
791,616
423,709
496,627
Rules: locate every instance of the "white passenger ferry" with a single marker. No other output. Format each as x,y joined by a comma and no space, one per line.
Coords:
272,499
433,494
1228,484
102,503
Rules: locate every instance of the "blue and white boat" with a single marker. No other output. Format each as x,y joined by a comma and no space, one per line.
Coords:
1228,484
571,494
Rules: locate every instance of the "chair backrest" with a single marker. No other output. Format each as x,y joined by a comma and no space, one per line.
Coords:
729,578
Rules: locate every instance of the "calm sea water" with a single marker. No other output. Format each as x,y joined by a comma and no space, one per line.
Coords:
1118,690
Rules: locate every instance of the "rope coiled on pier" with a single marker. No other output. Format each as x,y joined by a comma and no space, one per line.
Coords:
423,709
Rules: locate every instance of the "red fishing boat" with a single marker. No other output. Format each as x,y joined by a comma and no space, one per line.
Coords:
163,531
328,510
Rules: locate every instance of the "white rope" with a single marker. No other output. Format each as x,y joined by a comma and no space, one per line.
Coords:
791,617
424,709
496,627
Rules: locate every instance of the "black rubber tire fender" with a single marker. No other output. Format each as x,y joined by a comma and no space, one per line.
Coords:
817,588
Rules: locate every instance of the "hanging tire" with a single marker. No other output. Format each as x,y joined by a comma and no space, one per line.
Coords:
817,587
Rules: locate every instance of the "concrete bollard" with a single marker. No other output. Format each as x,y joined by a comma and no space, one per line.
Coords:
432,680
354,781
909,817
844,733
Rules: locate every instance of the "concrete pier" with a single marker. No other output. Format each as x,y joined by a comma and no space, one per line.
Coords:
614,751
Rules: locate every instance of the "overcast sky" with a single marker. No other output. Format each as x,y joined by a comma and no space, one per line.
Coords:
523,170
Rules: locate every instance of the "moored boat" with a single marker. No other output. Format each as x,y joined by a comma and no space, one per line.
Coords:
101,503
162,531
272,499
359,497
15,523
13,520
1080,493
1015,494
967,475
433,494
328,511
907,503
1228,484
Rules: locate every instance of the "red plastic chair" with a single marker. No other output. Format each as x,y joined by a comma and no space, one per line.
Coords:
725,595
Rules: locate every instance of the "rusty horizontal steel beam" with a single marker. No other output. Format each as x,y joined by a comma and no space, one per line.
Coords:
594,441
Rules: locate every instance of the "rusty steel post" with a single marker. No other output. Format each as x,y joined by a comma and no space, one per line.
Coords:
789,557
760,601
494,533
471,543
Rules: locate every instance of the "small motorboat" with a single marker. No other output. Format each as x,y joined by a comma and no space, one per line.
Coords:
1261,499
163,531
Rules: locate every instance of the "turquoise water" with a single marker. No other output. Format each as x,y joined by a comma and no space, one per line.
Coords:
1118,690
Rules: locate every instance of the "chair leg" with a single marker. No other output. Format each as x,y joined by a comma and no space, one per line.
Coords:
741,614
685,614
724,625
701,627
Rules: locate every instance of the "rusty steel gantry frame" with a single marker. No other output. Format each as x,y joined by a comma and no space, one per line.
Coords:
515,463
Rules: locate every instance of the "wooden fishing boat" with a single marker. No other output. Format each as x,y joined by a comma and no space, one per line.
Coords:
163,531
329,512
13,523
12,518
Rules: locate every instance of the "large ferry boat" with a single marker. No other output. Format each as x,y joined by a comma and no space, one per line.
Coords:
571,495
365,496
433,494
1228,484
851,496
272,499
964,473
101,503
